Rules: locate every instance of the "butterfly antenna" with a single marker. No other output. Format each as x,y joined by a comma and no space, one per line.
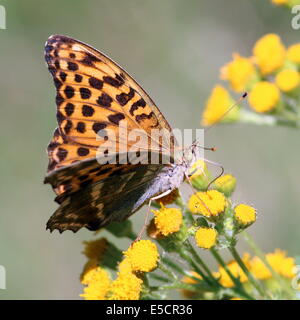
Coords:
208,148
217,177
241,98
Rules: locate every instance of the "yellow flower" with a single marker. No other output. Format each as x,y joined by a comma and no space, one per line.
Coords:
95,249
143,256
236,271
280,2
167,220
293,53
206,238
281,263
264,96
259,270
98,281
278,260
236,298
169,198
125,266
226,184
209,204
216,107
244,214
88,271
197,169
287,80
189,280
127,286
238,72
269,53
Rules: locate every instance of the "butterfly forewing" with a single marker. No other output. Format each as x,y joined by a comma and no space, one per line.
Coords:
94,94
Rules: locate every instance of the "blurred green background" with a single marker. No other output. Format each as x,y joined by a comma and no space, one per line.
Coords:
174,48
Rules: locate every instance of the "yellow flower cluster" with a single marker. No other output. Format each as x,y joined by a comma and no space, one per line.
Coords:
279,262
142,256
271,71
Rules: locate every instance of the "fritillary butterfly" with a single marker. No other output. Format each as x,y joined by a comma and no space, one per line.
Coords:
93,94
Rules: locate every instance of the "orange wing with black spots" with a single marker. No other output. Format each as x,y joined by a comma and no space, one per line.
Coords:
95,94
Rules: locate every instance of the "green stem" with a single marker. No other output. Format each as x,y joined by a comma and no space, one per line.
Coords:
201,262
167,271
236,281
176,285
194,266
158,277
174,266
268,120
262,257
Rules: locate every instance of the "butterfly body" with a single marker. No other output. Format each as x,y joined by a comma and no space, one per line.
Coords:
96,95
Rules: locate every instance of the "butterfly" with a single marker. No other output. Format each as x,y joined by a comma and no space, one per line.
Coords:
94,94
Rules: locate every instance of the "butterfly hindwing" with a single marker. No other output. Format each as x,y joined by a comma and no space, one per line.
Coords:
113,198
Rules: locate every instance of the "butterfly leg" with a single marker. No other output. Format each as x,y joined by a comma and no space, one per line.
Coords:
148,212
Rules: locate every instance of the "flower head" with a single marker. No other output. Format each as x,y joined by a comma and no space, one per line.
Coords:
127,286
287,80
95,249
98,283
269,53
280,2
259,270
197,169
143,256
206,238
226,184
167,220
125,266
264,96
293,53
210,203
239,72
281,263
217,104
278,260
244,215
